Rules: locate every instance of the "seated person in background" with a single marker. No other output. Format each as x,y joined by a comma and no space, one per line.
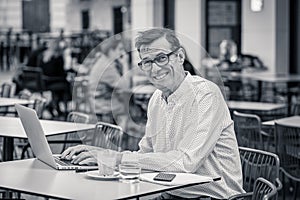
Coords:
35,54
52,63
104,77
229,60
189,128
32,62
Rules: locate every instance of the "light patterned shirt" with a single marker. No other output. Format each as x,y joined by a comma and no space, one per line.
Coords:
192,132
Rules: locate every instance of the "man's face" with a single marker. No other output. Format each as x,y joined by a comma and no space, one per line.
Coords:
164,78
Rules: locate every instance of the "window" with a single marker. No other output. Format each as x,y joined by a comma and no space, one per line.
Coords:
223,21
85,19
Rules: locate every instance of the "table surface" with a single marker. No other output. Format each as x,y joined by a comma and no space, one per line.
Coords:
293,121
13,101
268,77
34,177
12,127
255,106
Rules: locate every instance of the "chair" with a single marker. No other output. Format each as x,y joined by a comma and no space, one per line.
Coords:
61,92
295,110
287,141
78,117
108,136
257,163
80,96
39,105
80,136
32,79
263,190
248,130
5,92
74,138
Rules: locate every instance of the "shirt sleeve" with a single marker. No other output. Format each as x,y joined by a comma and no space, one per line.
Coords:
194,147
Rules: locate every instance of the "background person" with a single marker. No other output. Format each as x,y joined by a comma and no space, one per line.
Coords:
52,63
189,128
104,77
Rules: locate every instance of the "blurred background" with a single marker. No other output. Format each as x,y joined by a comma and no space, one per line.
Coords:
250,48
225,41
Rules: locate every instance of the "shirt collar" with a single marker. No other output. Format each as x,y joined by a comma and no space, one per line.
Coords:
181,90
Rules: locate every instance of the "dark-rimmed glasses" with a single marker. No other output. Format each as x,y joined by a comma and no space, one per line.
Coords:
160,60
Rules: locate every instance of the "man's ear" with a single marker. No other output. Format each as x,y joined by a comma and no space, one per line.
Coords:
181,56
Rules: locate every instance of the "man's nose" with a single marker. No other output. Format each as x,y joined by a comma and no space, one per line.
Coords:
155,67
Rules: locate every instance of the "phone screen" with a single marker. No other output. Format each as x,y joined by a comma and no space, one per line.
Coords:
164,177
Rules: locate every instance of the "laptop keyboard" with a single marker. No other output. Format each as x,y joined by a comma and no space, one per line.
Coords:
63,162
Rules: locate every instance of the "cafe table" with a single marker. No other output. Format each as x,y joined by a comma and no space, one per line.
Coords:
11,127
266,111
266,77
254,106
6,102
32,176
293,121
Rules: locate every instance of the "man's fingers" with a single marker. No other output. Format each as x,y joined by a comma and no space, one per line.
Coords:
88,161
66,152
70,152
80,157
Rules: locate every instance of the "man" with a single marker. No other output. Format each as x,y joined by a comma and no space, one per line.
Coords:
189,128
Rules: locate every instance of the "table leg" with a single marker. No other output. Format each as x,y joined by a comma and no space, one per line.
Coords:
259,88
289,97
8,148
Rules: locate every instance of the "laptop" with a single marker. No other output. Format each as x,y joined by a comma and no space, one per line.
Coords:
39,144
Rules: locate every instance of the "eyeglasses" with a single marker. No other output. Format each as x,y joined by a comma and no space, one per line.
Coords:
160,60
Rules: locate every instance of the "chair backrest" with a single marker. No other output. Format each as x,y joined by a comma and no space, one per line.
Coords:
78,117
295,108
287,141
32,79
258,163
5,90
108,136
80,96
79,136
264,190
248,130
39,106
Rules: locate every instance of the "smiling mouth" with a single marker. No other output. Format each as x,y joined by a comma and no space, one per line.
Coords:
159,77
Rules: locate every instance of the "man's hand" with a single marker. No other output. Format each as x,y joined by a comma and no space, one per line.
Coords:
86,158
71,152
87,155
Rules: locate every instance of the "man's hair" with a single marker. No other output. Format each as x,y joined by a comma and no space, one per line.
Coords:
149,36
110,43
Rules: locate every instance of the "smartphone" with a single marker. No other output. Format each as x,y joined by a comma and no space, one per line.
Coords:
164,177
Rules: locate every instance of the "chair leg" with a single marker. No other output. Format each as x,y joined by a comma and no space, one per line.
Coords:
24,150
283,192
295,190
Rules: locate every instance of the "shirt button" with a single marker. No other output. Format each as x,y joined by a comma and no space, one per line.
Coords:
171,104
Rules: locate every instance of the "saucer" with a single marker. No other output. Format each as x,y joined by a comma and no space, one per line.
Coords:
96,175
